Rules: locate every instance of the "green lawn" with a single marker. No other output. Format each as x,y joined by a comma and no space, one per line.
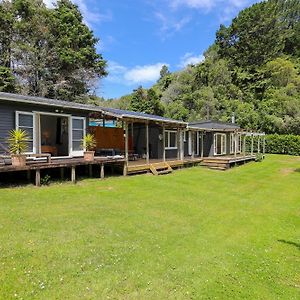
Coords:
194,234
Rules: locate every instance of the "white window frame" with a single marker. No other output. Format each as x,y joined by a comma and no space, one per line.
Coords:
167,136
71,140
17,114
223,143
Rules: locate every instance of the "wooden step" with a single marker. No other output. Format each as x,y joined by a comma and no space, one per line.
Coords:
160,168
217,168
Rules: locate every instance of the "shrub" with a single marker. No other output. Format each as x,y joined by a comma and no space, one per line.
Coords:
283,144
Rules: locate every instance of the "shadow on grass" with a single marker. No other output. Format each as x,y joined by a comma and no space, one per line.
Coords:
297,170
297,245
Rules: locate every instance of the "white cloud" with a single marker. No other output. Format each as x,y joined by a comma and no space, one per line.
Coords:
190,59
49,3
207,4
169,24
136,75
193,3
144,74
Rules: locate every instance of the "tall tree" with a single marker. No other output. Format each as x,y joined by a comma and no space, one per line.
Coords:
49,52
77,64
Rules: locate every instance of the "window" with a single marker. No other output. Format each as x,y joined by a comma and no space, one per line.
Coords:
171,140
219,144
25,121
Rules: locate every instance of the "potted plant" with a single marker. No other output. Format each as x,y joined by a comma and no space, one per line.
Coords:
18,144
89,144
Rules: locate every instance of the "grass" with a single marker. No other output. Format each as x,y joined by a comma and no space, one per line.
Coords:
194,234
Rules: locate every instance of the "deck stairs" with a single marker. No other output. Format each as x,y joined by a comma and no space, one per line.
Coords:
160,168
216,164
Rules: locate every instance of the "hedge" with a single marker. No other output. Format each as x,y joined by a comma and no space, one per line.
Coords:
283,144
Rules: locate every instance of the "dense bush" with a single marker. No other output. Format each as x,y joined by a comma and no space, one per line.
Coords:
283,144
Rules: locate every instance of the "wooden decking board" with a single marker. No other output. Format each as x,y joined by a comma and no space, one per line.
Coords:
225,162
142,166
63,163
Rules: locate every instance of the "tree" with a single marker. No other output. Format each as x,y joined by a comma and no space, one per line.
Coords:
77,64
7,80
49,52
146,101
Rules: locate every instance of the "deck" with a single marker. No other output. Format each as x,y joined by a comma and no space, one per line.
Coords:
62,163
226,162
141,166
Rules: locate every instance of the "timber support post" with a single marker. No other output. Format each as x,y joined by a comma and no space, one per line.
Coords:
147,144
181,144
193,144
37,177
178,143
126,150
164,143
102,171
252,143
235,143
202,144
244,145
73,174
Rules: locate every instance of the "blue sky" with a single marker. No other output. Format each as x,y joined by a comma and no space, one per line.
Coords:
137,37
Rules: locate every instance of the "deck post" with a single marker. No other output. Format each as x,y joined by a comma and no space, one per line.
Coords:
73,174
244,145
125,169
37,177
147,143
264,145
178,144
235,143
193,144
28,175
102,171
181,145
126,149
202,144
252,143
258,144
164,142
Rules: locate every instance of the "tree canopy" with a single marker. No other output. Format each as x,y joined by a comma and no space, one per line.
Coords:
47,52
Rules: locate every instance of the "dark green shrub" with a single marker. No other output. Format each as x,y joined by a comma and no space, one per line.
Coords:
283,144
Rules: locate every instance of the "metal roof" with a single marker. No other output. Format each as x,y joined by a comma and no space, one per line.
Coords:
47,102
117,113
213,125
121,113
